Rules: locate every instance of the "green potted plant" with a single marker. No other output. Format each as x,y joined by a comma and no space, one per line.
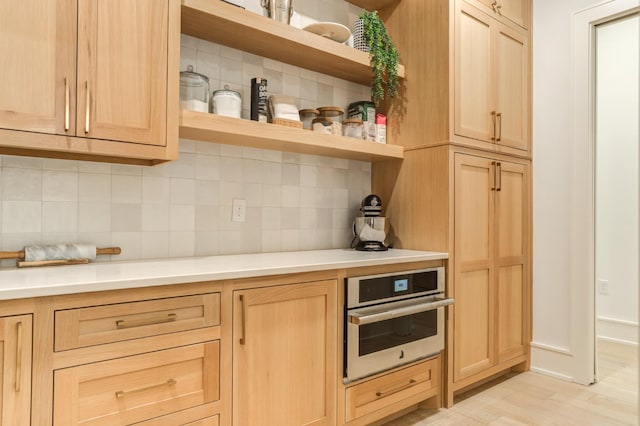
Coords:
370,35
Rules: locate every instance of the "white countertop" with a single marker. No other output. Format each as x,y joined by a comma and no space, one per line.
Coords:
53,280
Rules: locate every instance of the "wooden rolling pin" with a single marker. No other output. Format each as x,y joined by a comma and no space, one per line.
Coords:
58,254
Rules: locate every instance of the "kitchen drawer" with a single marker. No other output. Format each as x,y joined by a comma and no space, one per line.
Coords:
76,328
209,421
375,394
136,388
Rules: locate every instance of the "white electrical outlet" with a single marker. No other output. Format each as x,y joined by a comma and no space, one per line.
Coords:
238,210
603,286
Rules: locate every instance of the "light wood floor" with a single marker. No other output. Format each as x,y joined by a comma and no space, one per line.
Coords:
535,399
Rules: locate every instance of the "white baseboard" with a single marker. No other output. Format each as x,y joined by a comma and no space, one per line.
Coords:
550,373
619,331
556,362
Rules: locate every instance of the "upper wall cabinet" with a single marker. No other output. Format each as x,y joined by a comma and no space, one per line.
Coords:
508,11
491,75
474,85
90,79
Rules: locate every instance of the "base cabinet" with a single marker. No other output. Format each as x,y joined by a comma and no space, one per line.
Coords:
132,389
381,396
284,355
15,355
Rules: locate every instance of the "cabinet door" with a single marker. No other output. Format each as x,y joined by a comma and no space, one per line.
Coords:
512,86
516,11
15,354
474,295
508,11
37,76
122,70
473,96
512,231
284,355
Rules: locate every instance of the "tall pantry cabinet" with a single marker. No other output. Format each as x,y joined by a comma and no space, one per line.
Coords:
464,186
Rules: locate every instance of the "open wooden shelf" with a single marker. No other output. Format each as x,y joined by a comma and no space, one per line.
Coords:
232,26
233,131
373,4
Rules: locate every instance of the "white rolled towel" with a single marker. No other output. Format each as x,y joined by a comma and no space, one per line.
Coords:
59,252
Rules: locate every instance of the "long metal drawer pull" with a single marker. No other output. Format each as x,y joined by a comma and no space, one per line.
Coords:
18,355
493,168
360,319
122,393
145,321
493,118
243,340
499,173
67,97
87,111
398,389
499,116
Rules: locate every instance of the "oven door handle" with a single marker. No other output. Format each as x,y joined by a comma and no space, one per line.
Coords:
361,319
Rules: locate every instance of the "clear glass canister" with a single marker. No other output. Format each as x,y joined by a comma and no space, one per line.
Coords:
194,90
333,112
307,116
227,102
353,128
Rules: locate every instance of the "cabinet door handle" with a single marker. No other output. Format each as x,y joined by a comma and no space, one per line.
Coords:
19,328
498,7
120,324
494,6
87,111
499,173
122,393
499,117
67,96
243,339
380,394
493,173
493,118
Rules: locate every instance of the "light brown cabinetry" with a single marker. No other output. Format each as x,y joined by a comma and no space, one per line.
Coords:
15,356
491,81
491,264
375,398
130,389
155,361
509,11
284,355
92,79
471,84
477,207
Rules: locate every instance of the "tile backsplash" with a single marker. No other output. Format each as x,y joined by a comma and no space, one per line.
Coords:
183,208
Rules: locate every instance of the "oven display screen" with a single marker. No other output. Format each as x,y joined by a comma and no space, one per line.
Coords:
400,285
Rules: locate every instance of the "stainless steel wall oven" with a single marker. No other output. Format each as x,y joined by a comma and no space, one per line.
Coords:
392,319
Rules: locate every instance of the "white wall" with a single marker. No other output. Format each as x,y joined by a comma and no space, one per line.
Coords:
557,342
551,169
617,178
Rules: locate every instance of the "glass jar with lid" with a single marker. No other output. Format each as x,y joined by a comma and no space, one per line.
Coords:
194,90
227,102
